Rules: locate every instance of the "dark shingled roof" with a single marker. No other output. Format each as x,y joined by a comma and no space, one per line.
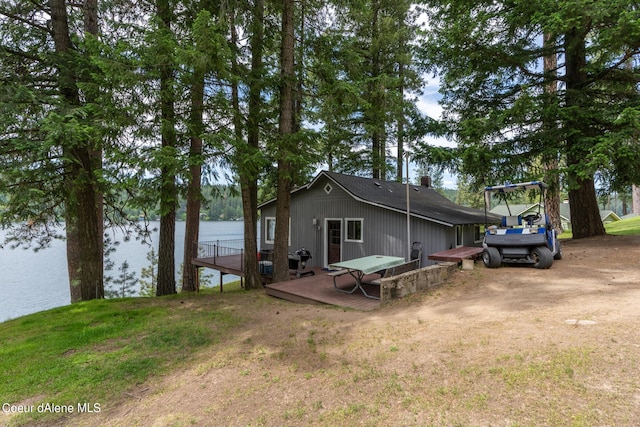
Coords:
424,202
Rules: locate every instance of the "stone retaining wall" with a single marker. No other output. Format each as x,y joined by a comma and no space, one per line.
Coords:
415,281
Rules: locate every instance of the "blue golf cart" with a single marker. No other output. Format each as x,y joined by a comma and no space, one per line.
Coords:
529,239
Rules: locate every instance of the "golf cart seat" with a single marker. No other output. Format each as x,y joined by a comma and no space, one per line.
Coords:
511,221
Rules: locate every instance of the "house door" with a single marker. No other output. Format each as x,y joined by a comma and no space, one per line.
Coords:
334,239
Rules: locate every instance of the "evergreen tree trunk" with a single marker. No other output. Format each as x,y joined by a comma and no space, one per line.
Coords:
376,111
249,189
635,199
194,197
243,160
285,129
298,70
583,198
73,251
84,237
552,198
400,125
168,191
551,172
166,255
250,169
90,16
402,55
585,214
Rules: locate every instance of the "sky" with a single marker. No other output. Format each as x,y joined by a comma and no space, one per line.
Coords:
428,105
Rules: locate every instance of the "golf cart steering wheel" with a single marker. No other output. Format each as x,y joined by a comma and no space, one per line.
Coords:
531,218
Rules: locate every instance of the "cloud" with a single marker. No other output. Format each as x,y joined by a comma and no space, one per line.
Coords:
428,104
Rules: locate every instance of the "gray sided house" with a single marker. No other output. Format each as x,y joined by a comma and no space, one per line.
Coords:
340,217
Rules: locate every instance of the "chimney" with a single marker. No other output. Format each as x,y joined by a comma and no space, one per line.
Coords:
425,181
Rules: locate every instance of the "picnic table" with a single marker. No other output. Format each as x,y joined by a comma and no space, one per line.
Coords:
359,267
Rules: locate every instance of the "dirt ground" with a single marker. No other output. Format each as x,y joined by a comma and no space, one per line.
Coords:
514,346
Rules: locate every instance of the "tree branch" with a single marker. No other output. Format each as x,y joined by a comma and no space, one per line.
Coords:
25,21
21,54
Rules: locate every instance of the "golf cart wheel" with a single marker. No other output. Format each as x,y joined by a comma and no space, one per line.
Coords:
542,257
491,257
558,254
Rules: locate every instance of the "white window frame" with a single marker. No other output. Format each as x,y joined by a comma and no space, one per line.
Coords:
267,220
459,236
346,234
267,238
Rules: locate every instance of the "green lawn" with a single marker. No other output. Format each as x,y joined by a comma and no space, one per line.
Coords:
619,228
93,351
624,227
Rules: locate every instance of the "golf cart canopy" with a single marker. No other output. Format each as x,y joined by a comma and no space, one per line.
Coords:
507,188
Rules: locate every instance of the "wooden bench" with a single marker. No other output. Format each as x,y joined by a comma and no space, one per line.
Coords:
337,273
396,270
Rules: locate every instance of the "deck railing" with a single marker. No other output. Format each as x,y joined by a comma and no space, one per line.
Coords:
220,248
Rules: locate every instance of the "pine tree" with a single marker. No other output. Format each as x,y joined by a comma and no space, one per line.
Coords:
124,285
490,58
51,141
366,72
149,276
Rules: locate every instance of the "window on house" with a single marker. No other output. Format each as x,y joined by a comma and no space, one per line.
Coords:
354,229
478,232
270,230
458,235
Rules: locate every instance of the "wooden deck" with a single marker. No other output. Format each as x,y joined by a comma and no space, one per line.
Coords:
316,289
228,264
456,254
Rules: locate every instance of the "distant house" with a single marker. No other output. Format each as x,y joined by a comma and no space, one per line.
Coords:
527,209
340,217
606,215
517,209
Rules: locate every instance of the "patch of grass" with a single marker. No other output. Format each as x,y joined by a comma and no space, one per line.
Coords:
555,368
625,227
92,351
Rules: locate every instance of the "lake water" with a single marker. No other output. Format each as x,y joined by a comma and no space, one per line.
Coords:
35,281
